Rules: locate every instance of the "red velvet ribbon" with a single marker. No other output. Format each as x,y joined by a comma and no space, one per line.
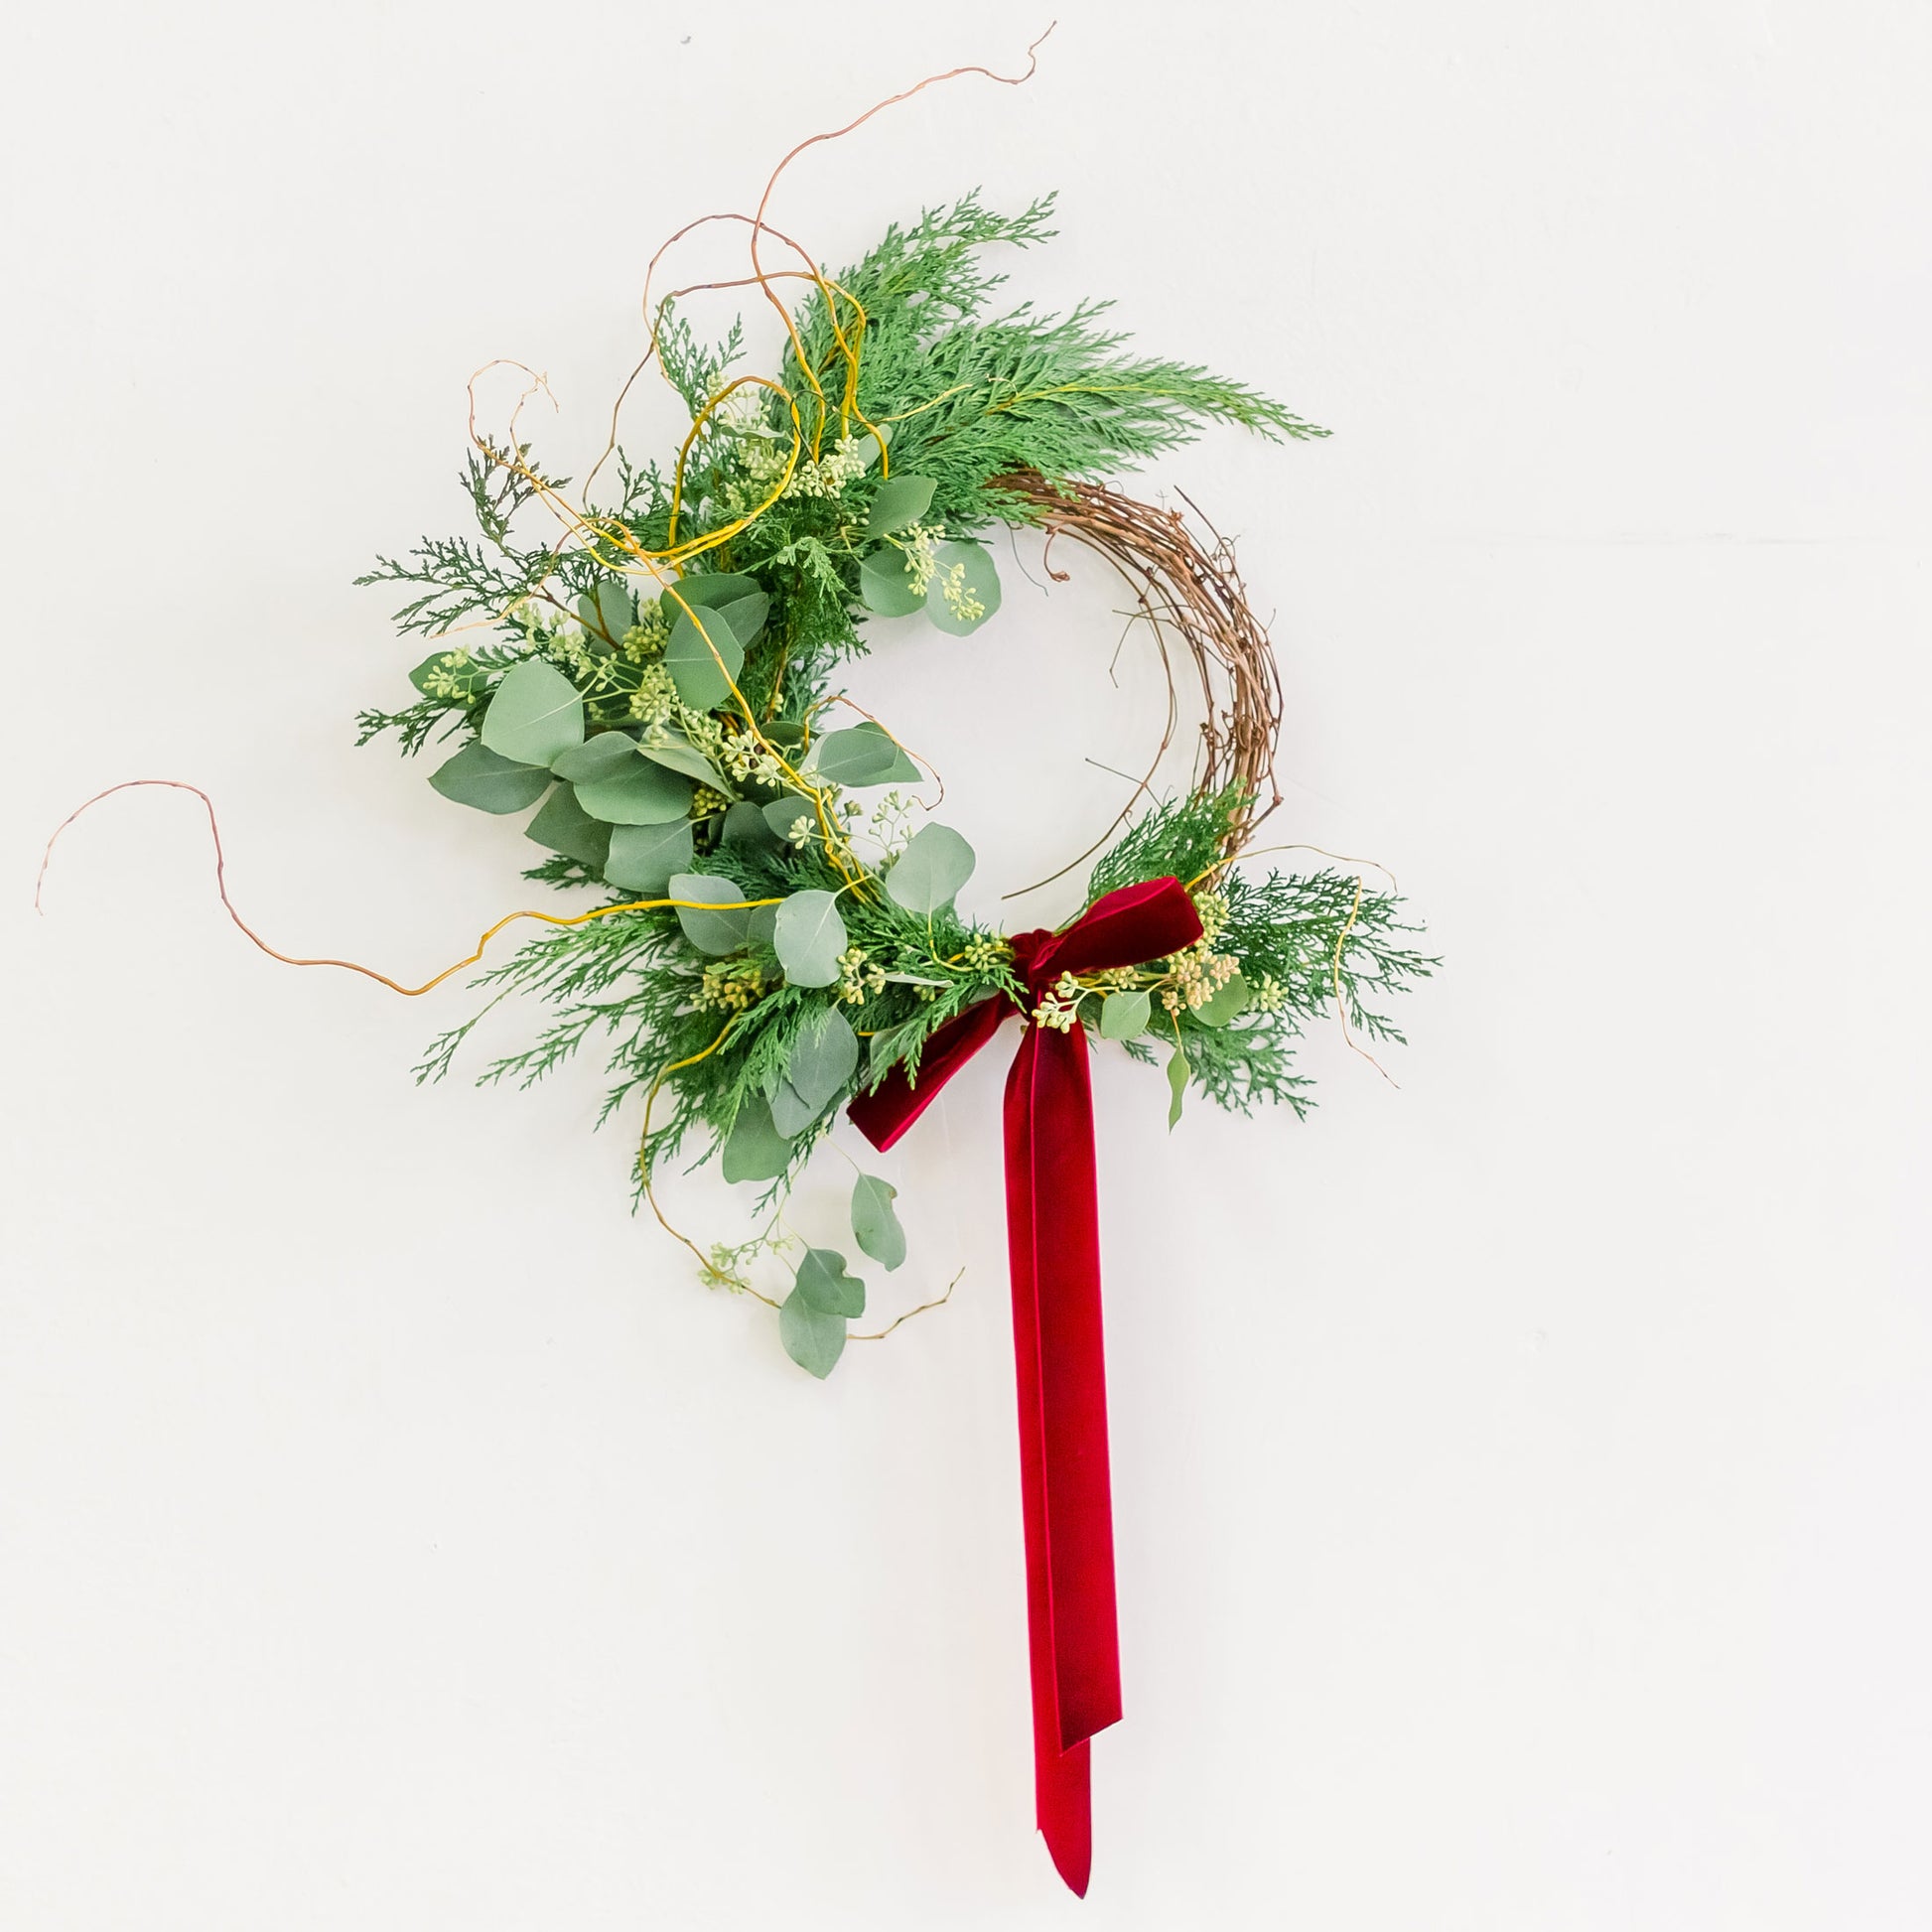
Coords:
1053,1241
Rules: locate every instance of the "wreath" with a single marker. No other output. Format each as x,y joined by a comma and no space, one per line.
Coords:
658,687
649,674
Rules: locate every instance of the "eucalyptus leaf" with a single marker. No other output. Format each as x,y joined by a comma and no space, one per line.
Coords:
764,924
703,662
1229,1003
783,813
854,757
679,754
823,1057
1123,1015
902,770
745,615
1178,1073
874,440
823,1282
935,863
564,826
756,1150
813,1339
641,793
963,576
901,501
874,1223
791,1111
478,777
610,611
710,589
713,932
535,713
809,937
746,828
886,584
644,857
602,757
449,671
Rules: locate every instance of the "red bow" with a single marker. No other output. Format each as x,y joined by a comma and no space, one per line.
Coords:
1054,1239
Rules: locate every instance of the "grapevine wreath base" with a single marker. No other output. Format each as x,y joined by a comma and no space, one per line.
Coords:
646,677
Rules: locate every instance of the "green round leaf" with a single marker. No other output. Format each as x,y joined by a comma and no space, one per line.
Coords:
679,754
861,754
610,612
478,777
935,863
965,587
599,757
823,1282
745,615
813,1339
1230,1003
643,857
535,713
756,1151
901,501
902,770
783,813
641,793
1123,1015
875,1224
708,591
791,1111
450,673
886,585
713,932
809,937
823,1057
746,828
565,827
703,657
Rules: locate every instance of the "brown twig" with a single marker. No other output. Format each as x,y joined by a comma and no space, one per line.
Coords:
1189,585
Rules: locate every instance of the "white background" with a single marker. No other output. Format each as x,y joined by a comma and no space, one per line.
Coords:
1520,1475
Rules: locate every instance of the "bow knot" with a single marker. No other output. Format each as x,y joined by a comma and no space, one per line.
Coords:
1026,948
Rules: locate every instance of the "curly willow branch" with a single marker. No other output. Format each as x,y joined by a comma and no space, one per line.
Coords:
1187,588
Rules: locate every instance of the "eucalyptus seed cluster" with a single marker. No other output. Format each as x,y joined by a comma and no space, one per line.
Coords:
859,978
984,951
1196,975
731,986
1061,1007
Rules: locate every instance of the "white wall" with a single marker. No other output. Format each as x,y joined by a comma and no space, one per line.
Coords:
1521,1475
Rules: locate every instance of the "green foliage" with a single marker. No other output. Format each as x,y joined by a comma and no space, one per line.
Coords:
973,397
1179,838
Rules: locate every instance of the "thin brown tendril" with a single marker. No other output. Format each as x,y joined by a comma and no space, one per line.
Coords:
938,1302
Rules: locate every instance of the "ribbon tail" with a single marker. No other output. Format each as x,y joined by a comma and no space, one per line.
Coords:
1053,1240
884,1114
